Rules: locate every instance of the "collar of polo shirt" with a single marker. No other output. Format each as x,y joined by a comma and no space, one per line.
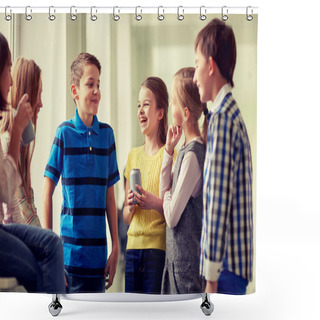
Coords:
82,128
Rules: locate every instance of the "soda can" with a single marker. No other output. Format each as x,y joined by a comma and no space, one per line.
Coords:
28,134
135,178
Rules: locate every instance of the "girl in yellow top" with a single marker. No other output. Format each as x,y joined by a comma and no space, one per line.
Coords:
147,232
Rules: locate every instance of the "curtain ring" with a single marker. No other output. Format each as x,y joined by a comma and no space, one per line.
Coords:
51,15
224,14
28,16
93,16
7,15
249,17
160,16
203,14
180,15
73,16
138,16
116,17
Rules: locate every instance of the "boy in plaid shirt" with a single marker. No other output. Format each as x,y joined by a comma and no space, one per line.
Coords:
226,259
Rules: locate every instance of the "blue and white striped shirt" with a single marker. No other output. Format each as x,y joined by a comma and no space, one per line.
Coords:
227,226
85,158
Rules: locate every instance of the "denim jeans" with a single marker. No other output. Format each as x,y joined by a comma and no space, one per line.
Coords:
86,284
230,283
34,256
144,270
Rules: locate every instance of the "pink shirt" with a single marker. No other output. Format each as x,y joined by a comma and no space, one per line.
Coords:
189,184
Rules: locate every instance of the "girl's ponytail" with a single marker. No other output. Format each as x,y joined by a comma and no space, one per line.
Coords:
188,96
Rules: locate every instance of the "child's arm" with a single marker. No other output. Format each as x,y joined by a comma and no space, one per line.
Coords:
218,192
189,184
111,266
128,209
165,174
47,193
173,137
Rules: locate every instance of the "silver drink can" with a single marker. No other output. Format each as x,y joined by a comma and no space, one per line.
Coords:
135,178
28,134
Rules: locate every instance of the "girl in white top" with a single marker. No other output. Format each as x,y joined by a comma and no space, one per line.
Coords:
186,111
181,188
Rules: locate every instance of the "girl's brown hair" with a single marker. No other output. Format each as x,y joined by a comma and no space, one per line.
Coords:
26,79
4,60
188,96
159,89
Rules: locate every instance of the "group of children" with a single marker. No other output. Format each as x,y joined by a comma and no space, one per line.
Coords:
34,256
190,223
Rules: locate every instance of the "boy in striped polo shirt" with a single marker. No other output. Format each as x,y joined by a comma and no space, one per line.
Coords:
226,259
83,153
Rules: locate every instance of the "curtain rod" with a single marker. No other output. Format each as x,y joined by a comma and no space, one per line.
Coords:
130,9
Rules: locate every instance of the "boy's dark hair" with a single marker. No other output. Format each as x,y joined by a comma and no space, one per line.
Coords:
76,69
4,59
217,40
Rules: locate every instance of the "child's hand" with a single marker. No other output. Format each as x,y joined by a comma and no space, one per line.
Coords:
129,206
24,114
147,200
130,199
111,268
173,137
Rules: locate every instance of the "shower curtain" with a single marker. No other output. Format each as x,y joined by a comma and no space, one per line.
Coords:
130,48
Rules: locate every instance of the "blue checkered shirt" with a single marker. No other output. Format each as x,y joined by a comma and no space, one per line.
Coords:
227,228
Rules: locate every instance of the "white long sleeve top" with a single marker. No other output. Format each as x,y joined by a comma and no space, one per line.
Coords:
189,184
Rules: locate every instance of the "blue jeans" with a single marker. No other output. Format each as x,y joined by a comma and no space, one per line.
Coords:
34,256
86,284
230,283
144,270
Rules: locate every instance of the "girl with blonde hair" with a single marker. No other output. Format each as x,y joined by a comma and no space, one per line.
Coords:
26,79
181,188
32,255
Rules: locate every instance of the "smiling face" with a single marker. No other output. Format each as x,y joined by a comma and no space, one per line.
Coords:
148,115
87,95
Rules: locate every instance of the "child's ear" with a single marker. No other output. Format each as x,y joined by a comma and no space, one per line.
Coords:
74,92
186,112
160,115
212,66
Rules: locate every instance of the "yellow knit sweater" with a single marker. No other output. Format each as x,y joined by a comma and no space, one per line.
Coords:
148,227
